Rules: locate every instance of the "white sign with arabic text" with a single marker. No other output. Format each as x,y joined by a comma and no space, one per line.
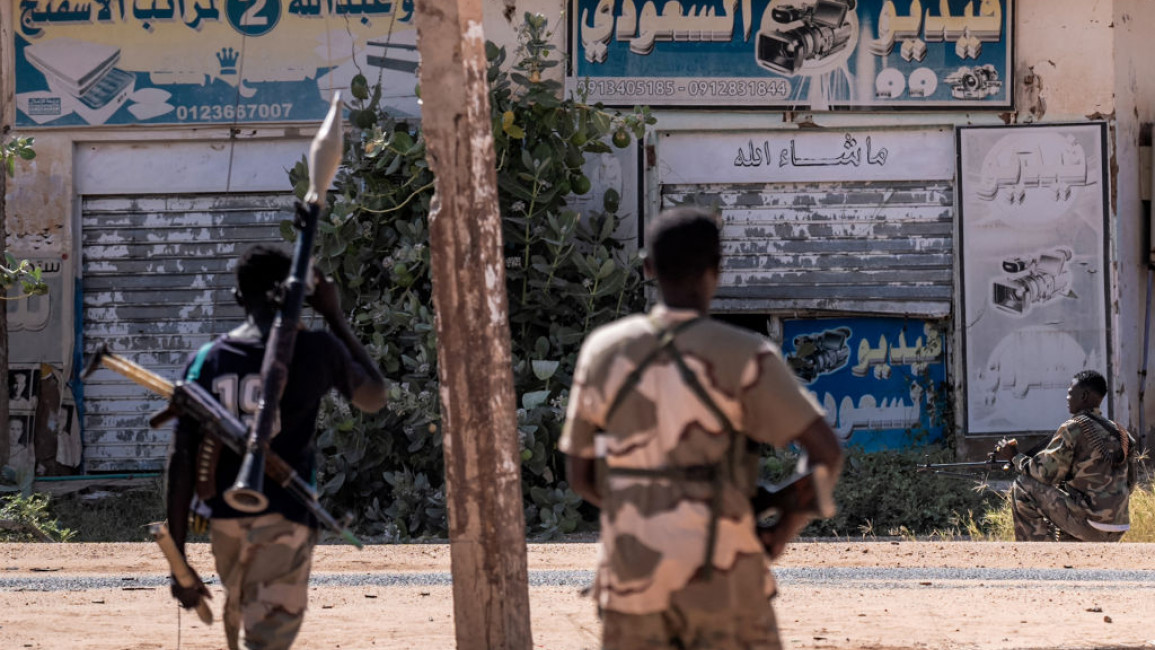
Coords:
805,156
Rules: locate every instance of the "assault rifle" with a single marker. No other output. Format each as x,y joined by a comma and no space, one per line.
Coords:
981,466
810,493
978,466
189,399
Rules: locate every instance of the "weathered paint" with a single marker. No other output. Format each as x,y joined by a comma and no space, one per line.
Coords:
1134,106
158,278
1104,75
884,247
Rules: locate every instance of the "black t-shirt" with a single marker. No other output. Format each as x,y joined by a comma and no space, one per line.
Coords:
231,371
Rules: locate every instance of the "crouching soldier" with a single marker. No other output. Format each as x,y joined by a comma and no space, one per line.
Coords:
1079,486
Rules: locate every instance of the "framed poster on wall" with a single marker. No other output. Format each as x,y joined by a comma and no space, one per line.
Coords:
820,54
1034,268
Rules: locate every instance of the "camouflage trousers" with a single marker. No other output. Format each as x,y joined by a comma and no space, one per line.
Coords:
727,612
1037,507
263,563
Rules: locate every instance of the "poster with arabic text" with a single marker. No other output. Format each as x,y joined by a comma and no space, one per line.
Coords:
1034,267
818,54
120,62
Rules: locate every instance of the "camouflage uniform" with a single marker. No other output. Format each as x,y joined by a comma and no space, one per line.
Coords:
650,586
263,563
1075,484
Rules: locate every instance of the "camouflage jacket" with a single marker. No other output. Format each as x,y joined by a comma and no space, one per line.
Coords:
654,530
1078,461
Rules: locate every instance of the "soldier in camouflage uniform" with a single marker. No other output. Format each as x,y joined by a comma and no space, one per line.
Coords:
1080,484
263,560
670,401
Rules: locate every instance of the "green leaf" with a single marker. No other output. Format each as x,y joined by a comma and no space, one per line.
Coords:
530,401
543,370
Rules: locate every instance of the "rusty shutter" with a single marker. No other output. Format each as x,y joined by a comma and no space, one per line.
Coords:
876,247
157,284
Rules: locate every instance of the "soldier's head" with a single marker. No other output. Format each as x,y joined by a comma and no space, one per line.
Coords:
260,272
1087,390
683,251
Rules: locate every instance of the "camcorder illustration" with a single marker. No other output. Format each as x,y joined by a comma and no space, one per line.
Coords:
802,32
978,82
819,354
1035,281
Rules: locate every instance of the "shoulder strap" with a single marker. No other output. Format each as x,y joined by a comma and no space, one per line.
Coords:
194,371
665,341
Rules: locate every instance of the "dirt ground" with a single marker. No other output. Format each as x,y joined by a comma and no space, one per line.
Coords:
812,614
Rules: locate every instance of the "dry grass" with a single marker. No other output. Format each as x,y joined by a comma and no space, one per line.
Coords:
996,525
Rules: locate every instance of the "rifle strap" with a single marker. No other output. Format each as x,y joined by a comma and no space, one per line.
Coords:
715,473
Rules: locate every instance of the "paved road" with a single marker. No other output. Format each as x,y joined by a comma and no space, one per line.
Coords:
857,578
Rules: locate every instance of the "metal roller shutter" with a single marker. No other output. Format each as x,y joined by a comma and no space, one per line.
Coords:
877,247
157,284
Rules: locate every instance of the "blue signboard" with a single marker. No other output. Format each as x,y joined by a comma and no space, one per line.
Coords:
206,61
881,380
793,53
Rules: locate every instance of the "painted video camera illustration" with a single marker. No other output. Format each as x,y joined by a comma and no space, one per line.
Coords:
978,82
797,33
1031,282
819,354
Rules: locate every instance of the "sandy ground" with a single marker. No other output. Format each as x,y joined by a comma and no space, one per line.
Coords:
859,613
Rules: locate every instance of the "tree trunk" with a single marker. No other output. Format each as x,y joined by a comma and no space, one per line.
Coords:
5,438
478,404
7,114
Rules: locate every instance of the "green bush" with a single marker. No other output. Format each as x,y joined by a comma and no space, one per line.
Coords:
881,493
565,275
120,516
27,518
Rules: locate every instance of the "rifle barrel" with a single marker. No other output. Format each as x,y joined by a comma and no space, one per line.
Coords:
1002,465
149,380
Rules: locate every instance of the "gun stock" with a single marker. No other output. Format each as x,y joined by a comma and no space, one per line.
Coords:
181,571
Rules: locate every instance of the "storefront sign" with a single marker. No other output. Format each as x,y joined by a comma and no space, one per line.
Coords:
880,380
1033,256
805,156
793,53
114,62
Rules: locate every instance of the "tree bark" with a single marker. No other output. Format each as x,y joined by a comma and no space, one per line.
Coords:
478,404
7,114
5,438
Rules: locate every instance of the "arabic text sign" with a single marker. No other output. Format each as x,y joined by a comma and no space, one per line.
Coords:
206,61
1034,267
818,53
880,380
805,156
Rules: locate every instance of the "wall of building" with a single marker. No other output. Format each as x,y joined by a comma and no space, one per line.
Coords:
1134,114
1055,81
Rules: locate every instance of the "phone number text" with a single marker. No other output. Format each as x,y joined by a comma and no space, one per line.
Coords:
683,90
223,112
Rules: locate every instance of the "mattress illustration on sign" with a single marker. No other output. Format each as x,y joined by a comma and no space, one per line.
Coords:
85,72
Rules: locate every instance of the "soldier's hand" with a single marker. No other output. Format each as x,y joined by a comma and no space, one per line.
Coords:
1006,449
324,298
774,538
188,597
